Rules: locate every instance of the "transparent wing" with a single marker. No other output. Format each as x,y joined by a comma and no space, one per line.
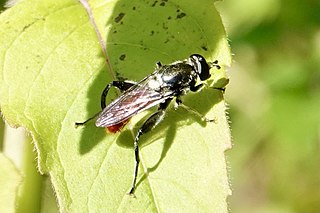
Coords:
136,99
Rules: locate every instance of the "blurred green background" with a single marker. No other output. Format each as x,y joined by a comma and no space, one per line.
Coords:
274,99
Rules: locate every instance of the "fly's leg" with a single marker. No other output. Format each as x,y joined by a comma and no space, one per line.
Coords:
148,125
194,88
77,124
195,112
121,85
159,65
220,89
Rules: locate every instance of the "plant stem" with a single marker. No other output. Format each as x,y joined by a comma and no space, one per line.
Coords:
29,194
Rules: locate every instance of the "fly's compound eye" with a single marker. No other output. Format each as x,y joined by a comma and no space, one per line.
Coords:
201,66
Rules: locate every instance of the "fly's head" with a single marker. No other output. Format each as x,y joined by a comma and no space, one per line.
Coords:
200,66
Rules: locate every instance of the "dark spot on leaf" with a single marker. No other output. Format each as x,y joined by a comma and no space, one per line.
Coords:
178,10
164,26
119,17
169,17
119,77
154,3
122,57
162,4
181,15
204,48
27,26
114,31
166,41
134,8
152,33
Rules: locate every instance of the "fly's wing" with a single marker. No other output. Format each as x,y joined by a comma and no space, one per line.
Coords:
136,99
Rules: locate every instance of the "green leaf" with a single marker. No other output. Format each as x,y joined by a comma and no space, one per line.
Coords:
53,73
10,179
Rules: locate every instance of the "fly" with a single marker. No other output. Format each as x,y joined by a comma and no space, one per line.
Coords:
166,83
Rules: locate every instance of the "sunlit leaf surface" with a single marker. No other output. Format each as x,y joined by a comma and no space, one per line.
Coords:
53,71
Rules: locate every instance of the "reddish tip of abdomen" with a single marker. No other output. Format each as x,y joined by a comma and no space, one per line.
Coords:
117,127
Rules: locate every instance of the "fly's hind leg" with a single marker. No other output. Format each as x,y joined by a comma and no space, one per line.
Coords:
147,126
121,85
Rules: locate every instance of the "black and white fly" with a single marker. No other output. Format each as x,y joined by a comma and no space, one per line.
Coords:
166,83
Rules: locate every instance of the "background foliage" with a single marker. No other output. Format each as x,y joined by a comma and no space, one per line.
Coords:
274,98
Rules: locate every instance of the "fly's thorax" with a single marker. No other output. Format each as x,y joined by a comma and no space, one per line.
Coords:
156,81
178,75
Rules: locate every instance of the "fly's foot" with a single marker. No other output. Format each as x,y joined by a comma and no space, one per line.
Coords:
208,120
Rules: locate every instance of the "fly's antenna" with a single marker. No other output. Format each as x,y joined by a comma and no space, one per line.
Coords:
214,64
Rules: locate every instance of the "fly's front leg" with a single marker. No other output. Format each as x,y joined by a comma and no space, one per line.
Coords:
121,85
223,89
148,125
195,112
194,88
